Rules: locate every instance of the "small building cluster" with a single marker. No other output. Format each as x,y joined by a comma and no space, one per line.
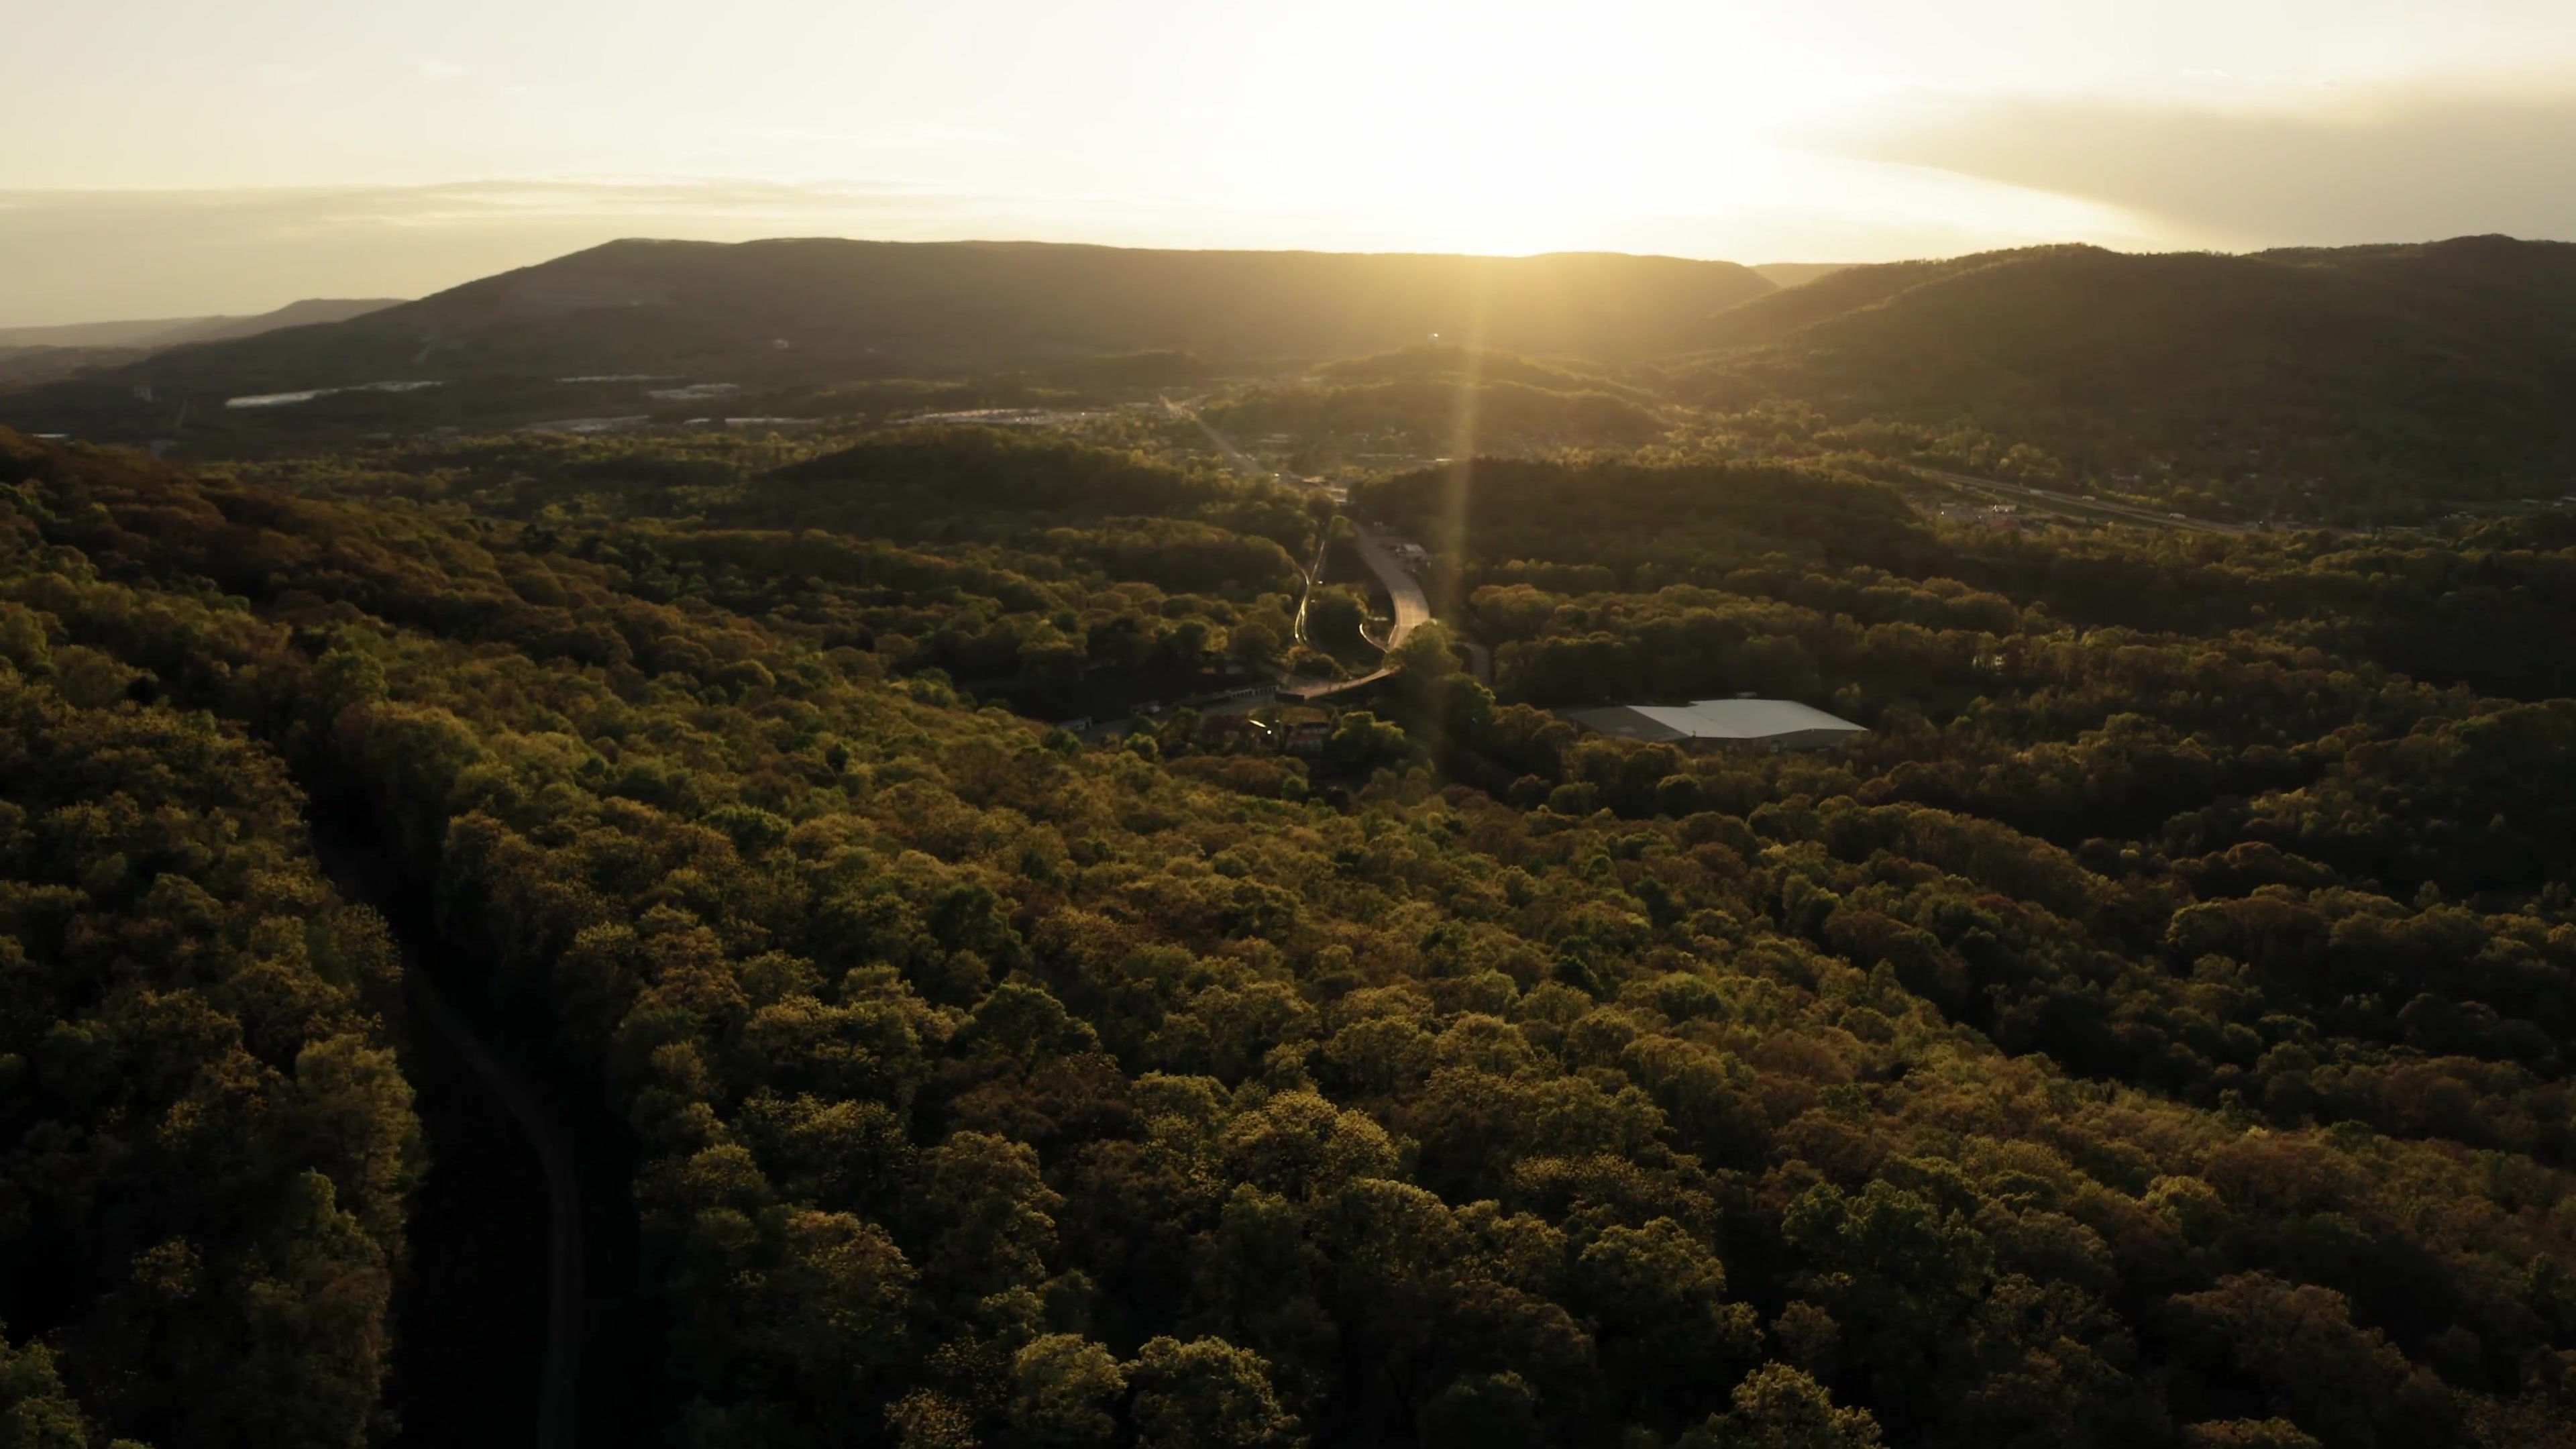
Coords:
1992,517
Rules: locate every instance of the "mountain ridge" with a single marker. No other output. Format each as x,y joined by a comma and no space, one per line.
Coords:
2409,363
644,304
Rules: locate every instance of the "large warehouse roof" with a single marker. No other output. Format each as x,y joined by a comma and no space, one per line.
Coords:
1752,721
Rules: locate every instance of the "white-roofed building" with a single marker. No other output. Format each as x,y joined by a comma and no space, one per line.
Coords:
1779,724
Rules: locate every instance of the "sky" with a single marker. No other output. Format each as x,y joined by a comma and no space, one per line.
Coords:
181,158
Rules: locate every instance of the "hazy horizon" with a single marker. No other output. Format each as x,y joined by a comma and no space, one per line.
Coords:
178,161
257,272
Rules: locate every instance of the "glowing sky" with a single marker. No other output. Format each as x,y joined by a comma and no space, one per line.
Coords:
169,157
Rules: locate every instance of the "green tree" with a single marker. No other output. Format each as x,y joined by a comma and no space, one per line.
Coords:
1665,1329
1483,1411
1426,653
35,1410
1063,1389
1207,1394
1779,1407
1361,742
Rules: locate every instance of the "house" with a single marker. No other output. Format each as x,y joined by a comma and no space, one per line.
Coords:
1778,724
1301,731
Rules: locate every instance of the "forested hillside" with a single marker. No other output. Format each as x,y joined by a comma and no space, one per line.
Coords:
205,1141
2442,370
1429,399
2488,609
2151,1034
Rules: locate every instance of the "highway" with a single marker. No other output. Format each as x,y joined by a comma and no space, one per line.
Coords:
1241,461
2089,508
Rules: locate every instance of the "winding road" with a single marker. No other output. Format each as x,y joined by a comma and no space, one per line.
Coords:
1404,591
1412,606
558,1400
1412,611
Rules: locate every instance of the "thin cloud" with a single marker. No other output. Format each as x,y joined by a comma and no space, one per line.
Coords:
966,136
2387,168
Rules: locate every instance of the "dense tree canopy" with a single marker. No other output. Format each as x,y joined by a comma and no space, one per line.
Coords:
205,1140
2150,1034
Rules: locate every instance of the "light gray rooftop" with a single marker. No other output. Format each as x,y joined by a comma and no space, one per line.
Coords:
1714,719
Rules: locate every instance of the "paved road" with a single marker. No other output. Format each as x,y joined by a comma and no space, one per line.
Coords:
1412,606
2081,507
1412,611
556,1400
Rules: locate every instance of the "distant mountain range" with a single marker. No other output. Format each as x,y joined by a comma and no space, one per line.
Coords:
1799,274
2450,364
38,354
173,331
